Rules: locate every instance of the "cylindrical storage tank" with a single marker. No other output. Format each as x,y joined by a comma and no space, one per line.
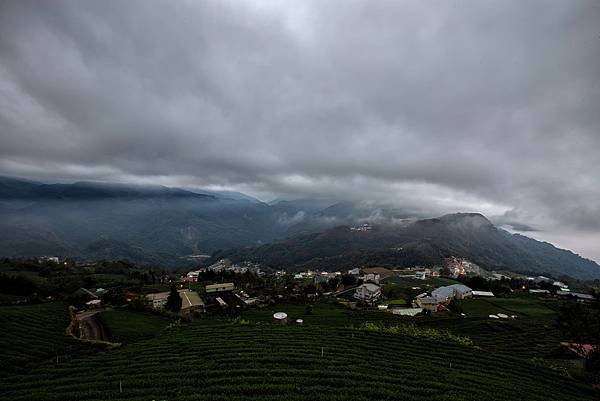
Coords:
280,317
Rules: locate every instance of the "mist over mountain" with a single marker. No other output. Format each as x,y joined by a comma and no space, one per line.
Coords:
166,226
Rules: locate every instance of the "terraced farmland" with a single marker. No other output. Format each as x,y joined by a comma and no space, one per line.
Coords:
533,334
217,360
127,326
33,334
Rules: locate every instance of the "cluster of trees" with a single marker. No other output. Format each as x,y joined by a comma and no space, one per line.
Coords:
174,300
579,323
17,285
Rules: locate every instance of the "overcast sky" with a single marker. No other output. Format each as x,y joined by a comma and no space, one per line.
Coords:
441,106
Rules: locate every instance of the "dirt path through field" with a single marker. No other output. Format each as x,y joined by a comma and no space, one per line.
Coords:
90,327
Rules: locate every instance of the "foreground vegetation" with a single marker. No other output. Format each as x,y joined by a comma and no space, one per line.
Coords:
329,357
34,334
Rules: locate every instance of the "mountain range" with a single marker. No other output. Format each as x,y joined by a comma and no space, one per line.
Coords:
170,226
419,242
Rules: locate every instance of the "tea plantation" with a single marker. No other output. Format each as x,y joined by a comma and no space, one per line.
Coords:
329,357
34,334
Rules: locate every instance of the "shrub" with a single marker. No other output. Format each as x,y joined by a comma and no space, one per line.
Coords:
411,330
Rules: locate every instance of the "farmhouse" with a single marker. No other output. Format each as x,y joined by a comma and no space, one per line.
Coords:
220,298
441,296
83,295
428,303
449,292
190,300
368,292
193,276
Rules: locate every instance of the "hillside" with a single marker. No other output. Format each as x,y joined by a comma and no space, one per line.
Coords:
147,224
252,359
164,226
423,242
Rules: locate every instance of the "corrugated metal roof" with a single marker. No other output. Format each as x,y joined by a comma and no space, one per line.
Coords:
449,291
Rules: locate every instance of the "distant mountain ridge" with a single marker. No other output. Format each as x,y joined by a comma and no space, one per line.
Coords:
422,242
161,225
12,188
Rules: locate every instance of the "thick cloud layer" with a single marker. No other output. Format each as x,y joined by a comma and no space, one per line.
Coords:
431,105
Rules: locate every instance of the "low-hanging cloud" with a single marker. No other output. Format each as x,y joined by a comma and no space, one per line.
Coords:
434,106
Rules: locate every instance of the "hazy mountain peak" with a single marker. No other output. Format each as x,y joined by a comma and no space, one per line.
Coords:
476,219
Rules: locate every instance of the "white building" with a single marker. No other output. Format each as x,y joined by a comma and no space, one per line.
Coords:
371,277
368,292
193,276
483,294
420,275
449,292
560,284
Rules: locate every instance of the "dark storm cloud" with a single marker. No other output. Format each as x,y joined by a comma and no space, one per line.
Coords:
436,106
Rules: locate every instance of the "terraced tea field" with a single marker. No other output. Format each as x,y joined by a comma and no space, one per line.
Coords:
251,359
33,334
533,334
127,326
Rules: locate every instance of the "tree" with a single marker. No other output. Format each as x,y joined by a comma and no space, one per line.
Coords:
574,320
348,279
477,283
455,306
333,283
174,301
592,364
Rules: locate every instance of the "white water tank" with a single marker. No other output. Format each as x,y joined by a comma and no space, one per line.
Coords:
280,317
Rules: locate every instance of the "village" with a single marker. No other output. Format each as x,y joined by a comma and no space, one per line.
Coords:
414,291
112,305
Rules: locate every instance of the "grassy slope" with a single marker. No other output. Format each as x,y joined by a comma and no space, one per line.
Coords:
214,359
